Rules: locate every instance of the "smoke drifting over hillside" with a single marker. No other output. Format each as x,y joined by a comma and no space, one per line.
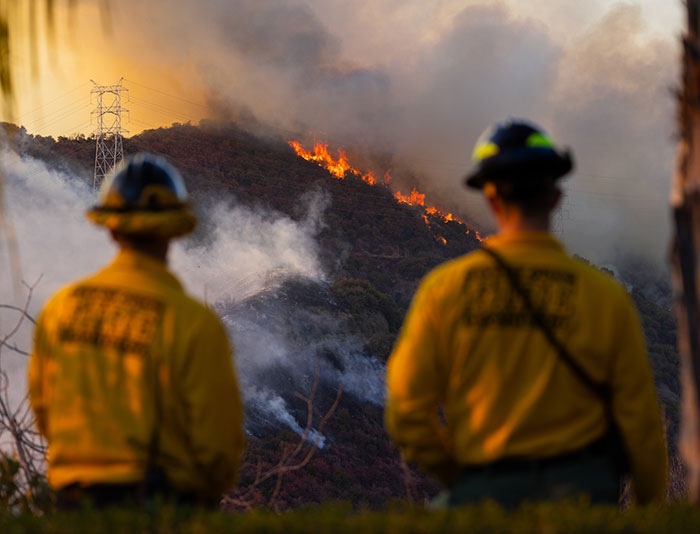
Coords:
420,80
57,243
247,258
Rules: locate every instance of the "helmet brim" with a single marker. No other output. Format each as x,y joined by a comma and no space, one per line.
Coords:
164,224
475,179
521,165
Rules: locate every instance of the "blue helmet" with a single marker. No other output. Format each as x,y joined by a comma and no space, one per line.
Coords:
145,196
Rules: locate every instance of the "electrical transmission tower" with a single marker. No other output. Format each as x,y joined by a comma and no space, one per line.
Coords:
108,134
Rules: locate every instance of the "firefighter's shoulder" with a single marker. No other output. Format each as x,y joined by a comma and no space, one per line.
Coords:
452,272
56,301
197,317
600,281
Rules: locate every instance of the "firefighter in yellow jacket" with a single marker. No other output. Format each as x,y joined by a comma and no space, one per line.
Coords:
479,392
131,380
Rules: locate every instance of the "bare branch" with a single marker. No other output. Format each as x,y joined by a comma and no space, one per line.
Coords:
23,312
14,348
18,309
18,421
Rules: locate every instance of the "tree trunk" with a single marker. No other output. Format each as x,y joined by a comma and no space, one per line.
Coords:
685,259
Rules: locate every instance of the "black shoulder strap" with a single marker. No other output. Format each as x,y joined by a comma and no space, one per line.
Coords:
541,322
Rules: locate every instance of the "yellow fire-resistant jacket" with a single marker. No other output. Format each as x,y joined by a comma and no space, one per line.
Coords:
468,345
92,382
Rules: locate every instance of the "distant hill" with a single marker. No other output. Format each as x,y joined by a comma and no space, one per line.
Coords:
374,251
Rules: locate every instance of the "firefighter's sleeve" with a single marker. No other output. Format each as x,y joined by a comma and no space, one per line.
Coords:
415,388
214,408
636,409
37,393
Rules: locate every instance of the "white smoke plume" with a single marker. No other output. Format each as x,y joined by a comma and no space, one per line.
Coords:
249,252
420,80
57,243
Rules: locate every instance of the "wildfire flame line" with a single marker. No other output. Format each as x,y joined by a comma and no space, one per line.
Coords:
337,167
341,166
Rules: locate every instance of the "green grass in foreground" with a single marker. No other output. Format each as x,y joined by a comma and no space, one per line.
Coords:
340,518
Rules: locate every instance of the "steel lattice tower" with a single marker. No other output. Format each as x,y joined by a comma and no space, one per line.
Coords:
108,134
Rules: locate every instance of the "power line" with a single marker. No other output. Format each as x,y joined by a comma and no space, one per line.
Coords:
40,107
49,117
169,95
64,115
161,109
78,129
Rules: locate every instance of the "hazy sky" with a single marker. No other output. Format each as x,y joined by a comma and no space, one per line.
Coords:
415,79
371,32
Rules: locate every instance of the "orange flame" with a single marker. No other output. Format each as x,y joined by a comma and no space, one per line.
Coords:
414,199
338,168
418,199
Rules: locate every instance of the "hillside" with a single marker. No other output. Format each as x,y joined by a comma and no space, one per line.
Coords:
367,234
373,251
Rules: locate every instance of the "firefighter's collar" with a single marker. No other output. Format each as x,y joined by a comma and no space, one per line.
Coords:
140,261
522,237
